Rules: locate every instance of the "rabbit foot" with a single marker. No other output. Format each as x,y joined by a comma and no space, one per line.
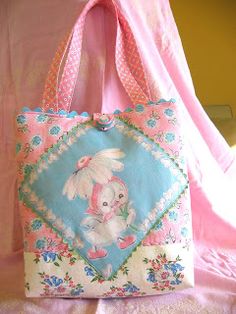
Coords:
97,253
126,241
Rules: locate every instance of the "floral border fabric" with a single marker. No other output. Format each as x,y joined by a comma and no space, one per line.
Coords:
161,269
164,274
55,286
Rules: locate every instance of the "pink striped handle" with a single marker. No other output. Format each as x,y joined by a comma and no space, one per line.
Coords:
128,62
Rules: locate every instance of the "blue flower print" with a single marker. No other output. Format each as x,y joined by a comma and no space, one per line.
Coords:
36,140
18,147
159,225
184,232
48,281
174,268
54,130
169,272
76,292
139,108
151,123
41,118
53,281
56,281
49,256
169,137
40,244
176,282
36,224
27,169
21,119
169,112
151,277
129,287
89,271
173,215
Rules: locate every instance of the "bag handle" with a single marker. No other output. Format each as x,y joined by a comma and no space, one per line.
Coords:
127,58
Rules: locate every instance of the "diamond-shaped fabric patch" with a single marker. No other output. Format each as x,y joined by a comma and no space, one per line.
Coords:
103,191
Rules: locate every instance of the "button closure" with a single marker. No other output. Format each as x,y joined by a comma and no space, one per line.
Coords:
103,122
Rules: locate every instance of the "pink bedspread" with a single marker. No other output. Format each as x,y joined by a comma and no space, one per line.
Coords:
31,31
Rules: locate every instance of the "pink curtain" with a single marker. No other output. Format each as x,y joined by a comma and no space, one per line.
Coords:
31,31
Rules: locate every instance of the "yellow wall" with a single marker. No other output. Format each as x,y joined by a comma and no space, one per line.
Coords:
208,32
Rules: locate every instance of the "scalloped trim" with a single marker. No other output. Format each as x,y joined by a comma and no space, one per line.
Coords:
73,114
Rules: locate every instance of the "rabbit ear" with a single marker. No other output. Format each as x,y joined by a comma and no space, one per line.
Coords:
79,184
99,173
116,165
103,163
112,164
70,188
84,184
112,153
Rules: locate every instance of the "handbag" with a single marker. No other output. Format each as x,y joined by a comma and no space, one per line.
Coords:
104,197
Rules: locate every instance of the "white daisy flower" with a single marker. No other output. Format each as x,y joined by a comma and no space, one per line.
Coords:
166,162
149,147
168,195
174,171
33,197
157,155
143,228
130,133
26,189
78,242
42,208
59,223
139,139
69,233
52,157
71,140
155,211
151,216
50,215
175,187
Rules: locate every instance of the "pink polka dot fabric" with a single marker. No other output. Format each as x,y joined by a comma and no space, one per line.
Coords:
128,63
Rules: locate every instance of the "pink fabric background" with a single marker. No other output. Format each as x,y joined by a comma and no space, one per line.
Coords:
31,31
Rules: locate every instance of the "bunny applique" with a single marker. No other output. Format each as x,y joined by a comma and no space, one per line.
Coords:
110,213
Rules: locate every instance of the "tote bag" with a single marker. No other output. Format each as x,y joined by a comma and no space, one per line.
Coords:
104,198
